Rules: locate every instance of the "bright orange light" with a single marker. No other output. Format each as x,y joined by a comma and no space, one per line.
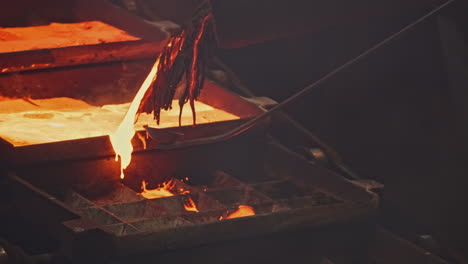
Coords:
57,35
168,189
121,139
56,119
190,205
163,190
242,211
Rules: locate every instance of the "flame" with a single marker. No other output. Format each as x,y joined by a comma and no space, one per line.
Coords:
121,139
190,205
242,211
167,189
163,190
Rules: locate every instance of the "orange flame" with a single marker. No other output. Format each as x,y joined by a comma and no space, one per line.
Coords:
190,205
242,211
167,189
121,139
164,190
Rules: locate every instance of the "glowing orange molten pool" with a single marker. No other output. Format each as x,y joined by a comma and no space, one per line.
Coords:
58,119
56,35
121,139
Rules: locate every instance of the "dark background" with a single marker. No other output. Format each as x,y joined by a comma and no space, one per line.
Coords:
399,116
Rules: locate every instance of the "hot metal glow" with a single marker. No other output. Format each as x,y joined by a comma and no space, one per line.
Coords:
242,211
39,121
58,35
160,91
190,205
164,190
168,189
121,139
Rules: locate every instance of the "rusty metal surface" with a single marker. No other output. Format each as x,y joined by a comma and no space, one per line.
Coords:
285,190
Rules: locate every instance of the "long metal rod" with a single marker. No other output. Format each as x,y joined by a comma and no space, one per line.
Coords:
249,124
331,153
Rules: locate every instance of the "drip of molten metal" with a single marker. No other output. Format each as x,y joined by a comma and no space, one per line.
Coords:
164,190
121,139
190,205
242,211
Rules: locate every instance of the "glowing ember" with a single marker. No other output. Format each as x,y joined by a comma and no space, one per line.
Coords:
242,211
190,205
122,138
164,190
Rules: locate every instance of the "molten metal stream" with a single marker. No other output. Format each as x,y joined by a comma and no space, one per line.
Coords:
121,139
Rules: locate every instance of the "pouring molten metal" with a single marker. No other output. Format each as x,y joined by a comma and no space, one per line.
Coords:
184,56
